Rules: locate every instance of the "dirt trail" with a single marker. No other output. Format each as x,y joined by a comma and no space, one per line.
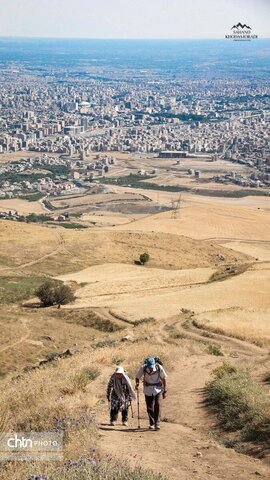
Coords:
110,315
185,447
60,249
22,339
232,346
33,262
240,240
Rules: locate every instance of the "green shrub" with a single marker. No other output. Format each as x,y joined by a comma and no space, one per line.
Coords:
34,197
178,336
70,225
196,324
240,402
144,320
51,356
215,350
87,375
105,343
224,369
90,319
207,334
54,293
174,333
35,218
186,324
103,325
144,258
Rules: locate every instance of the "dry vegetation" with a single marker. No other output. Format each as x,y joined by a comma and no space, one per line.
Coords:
69,395
242,404
64,396
246,324
187,279
29,334
53,250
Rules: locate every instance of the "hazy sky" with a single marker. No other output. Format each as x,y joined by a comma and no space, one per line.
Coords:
132,19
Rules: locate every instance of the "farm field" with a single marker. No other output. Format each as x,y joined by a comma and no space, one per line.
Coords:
22,206
202,299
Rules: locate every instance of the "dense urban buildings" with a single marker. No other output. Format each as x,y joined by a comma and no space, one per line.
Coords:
68,113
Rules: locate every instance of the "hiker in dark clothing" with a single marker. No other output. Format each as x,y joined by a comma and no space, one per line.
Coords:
154,382
120,394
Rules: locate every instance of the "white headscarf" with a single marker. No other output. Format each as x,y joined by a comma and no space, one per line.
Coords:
118,386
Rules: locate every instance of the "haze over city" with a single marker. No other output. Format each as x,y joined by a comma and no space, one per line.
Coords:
131,19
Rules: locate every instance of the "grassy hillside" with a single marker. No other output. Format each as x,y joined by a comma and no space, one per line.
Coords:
46,250
55,363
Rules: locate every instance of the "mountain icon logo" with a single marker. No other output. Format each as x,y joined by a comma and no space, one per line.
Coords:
241,32
239,25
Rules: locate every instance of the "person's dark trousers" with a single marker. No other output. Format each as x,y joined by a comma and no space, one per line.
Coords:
114,415
153,404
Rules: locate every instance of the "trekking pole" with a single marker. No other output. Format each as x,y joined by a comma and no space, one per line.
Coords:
138,405
132,415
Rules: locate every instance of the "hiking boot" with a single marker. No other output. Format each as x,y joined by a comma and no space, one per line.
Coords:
157,427
125,424
151,427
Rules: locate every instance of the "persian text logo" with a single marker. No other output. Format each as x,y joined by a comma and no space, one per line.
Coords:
43,446
241,32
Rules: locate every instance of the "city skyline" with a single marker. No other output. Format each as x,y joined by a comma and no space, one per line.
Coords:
123,19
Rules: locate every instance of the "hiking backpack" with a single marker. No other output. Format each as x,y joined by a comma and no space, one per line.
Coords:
159,363
157,360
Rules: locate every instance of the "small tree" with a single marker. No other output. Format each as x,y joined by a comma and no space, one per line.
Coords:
54,293
144,258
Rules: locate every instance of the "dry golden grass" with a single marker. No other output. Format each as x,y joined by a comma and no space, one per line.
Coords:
246,291
50,392
251,325
29,334
22,206
24,243
189,181
44,250
105,219
51,396
201,219
45,397
99,199
260,251
131,281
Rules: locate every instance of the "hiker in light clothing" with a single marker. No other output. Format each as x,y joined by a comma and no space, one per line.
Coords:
120,394
154,383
